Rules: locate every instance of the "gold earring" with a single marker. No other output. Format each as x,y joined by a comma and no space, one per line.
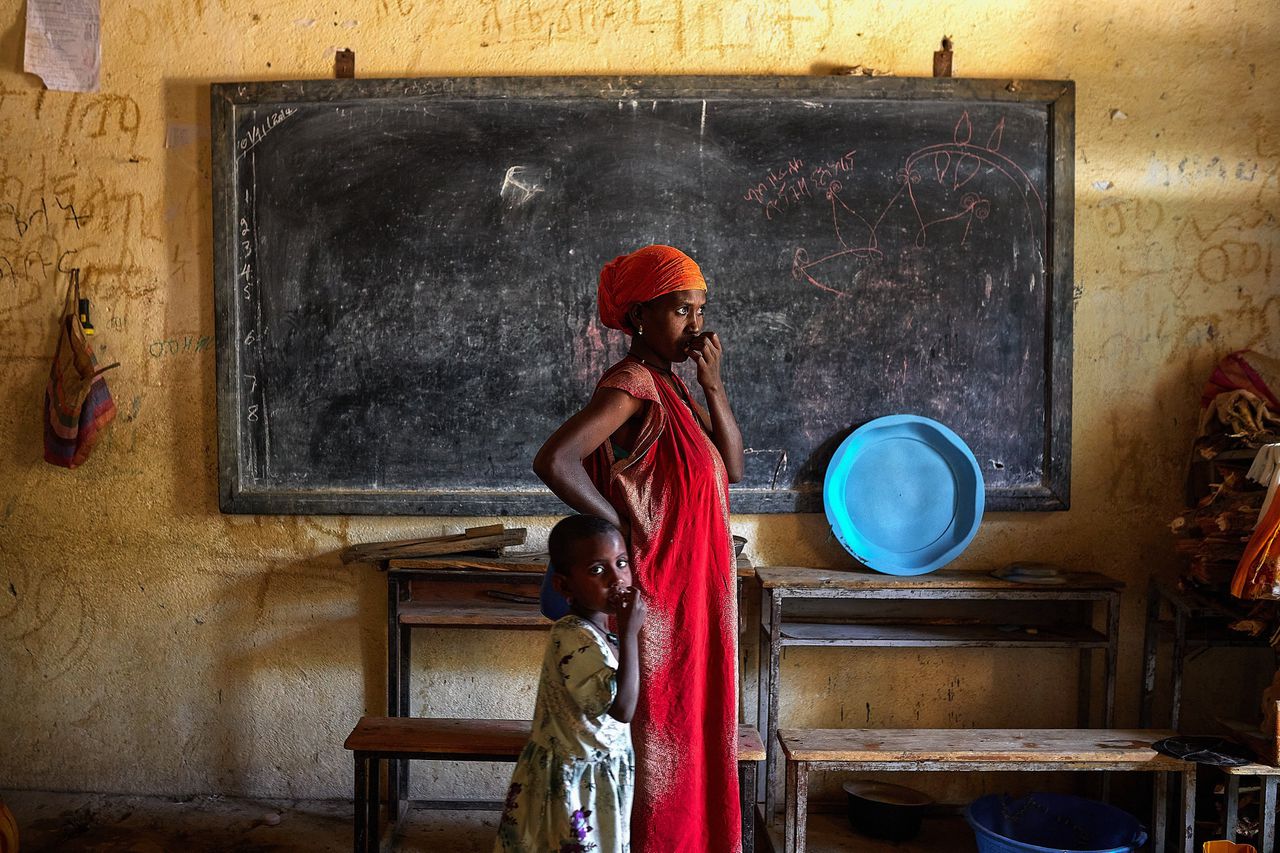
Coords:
640,330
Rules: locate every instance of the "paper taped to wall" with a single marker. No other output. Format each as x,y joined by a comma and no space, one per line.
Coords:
63,44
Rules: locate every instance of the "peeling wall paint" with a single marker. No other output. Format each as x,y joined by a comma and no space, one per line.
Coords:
150,644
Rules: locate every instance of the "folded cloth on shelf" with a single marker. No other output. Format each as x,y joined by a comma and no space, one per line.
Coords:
1258,572
1265,471
1243,415
1240,398
1252,371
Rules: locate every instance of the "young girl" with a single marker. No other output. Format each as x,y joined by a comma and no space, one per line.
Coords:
572,787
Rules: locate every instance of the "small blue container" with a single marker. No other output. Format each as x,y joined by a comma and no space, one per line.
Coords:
1052,823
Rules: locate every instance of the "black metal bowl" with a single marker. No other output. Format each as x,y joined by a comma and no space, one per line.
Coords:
882,810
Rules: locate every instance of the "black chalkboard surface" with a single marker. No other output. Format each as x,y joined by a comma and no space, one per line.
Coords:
406,274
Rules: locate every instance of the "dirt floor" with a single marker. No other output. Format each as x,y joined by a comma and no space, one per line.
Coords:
99,823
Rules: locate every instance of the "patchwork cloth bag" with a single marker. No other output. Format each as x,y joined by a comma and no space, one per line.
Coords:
77,403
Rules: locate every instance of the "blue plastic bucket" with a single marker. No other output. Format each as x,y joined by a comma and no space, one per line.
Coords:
1052,823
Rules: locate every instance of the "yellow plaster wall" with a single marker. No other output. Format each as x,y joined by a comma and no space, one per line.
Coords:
150,644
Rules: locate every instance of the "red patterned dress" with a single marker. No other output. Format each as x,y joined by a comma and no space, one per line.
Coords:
673,490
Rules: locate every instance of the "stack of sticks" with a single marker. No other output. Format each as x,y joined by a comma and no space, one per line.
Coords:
1213,535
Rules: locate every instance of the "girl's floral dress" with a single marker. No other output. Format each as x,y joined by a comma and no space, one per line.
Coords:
572,787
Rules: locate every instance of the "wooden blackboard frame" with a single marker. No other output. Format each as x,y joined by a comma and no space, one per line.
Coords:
237,493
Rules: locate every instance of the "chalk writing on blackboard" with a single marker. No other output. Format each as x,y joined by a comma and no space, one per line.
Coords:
517,187
951,165
246,277
259,132
779,468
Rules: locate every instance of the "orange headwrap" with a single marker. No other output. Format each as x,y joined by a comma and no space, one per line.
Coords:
644,274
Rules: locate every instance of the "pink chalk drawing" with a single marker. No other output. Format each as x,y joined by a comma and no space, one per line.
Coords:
950,165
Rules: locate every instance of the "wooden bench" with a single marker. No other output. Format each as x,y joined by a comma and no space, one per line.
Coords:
874,750
378,739
1267,777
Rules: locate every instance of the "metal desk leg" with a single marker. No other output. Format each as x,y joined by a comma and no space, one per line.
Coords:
1267,843
773,748
797,814
374,780
1188,810
1113,659
762,698
1232,811
393,687
1085,688
1150,647
747,802
359,803
1159,811
762,693
406,660
1179,656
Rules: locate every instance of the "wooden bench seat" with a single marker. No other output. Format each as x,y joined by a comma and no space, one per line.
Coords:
873,750
378,739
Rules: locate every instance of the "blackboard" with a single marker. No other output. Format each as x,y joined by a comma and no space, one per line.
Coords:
406,275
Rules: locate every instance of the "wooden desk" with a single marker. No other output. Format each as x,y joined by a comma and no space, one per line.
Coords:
1194,621
1267,777
460,592
429,594
788,619
969,750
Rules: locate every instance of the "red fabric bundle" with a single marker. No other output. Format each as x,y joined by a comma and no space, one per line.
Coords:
1247,370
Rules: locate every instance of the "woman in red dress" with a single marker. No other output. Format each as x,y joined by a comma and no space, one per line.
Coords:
644,455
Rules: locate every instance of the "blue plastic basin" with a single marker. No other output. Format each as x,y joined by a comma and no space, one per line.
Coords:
1052,823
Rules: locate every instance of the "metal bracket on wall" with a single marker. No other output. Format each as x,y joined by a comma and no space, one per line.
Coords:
942,59
344,64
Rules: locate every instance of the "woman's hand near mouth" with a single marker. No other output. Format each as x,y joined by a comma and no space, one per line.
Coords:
705,350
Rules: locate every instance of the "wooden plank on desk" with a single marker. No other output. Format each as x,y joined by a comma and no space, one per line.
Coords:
515,563
1251,769
1264,744
750,746
492,589
433,735
500,614
473,539
439,736
957,635
1121,746
796,577
1198,605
